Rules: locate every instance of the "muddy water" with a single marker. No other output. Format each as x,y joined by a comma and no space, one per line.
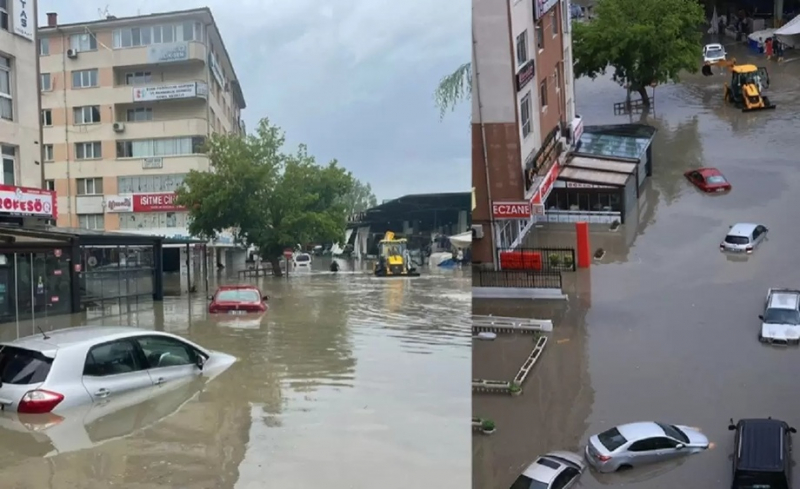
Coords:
666,327
347,382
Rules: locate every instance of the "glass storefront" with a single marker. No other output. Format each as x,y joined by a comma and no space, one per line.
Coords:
112,275
34,284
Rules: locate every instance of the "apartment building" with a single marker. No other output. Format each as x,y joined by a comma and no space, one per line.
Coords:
127,104
523,118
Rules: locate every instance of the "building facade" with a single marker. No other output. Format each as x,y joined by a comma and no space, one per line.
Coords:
523,115
127,104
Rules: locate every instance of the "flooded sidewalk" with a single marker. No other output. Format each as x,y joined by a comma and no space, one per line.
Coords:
345,381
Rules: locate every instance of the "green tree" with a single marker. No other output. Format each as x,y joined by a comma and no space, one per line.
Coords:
359,198
271,199
644,41
453,89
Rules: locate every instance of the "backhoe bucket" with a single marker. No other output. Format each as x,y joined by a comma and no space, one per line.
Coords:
767,106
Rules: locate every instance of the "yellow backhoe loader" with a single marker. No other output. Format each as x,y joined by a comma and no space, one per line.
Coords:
747,82
393,258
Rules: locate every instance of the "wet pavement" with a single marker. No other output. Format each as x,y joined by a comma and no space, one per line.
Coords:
347,382
664,328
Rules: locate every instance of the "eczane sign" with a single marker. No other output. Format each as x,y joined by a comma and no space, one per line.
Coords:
511,210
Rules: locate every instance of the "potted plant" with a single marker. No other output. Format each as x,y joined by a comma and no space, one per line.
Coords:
554,259
515,389
487,426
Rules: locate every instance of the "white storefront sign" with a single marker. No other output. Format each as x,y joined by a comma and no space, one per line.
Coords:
166,92
119,203
23,22
153,163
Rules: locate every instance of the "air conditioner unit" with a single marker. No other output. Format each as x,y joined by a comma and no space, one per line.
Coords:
477,231
72,53
119,127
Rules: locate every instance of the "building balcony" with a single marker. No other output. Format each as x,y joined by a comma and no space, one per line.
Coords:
160,54
195,126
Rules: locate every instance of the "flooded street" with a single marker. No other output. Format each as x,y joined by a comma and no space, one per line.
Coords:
346,382
665,329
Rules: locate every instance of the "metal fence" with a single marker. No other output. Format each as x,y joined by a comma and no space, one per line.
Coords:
537,259
517,278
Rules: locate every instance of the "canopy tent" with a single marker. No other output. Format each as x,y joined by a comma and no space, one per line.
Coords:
789,34
461,241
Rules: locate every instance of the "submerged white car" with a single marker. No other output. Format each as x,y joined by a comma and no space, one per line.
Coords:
780,323
713,53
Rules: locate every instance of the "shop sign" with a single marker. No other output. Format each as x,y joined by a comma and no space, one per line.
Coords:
119,203
511,210
23,18
586,185
165,92
541,194
153,163
24,201
168,53
576,130
525,75
541,7
546,154
156,202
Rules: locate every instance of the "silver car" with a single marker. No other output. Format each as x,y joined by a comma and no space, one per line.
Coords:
556,470
58,370
743,238
780,322
713,53
630,445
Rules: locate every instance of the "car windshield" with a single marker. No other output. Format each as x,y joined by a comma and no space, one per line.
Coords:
674,432
23,367
525,482
715,179
242,295
302,258
781,316
737,240
714,53
612,439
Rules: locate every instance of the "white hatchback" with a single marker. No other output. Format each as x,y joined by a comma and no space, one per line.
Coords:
713,53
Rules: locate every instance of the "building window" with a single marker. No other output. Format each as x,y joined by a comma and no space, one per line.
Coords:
6,99
86,115
160,147
152,220
543,94
90,186
140,114
44,46
48,153
50,185
9,158
554,18
47,117
525,114
91,221
149,183
522,48
4,15
539,35
157,34
46,81
84,79
83,42
138,78
88,151
557,77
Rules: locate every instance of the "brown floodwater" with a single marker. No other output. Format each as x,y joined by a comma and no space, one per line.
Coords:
348,381
665,327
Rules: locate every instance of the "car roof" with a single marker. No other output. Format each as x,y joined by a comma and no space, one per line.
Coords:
742,229
62,338
761,445
709,171
541,472
714,45
784,299
237,287
642,429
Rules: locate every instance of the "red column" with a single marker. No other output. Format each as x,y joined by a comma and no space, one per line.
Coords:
583,248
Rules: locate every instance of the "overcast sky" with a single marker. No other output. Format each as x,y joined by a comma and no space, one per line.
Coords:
353,79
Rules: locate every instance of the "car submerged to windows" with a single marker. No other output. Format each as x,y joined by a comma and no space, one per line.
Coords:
55,371
743,238
237,299
633,444
780,322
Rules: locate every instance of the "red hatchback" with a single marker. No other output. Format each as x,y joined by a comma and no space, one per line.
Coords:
237,299
708,180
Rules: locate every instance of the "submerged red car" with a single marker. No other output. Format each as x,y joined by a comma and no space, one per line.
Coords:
237,299
708,180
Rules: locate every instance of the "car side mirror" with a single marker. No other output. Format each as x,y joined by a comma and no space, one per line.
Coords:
265,298
792,429
200,361
761,317
679,446
731,426
211,297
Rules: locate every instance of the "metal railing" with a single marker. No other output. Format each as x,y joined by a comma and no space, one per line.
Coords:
517,279
537,259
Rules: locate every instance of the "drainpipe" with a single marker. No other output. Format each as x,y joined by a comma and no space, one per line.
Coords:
39,95
485,150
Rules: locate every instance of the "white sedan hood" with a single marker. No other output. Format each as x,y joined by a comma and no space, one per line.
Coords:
785,332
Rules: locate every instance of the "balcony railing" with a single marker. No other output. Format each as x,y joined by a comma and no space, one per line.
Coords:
521,279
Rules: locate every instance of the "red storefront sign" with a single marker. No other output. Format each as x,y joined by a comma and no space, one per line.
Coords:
159,202
547,185
511,210
25,201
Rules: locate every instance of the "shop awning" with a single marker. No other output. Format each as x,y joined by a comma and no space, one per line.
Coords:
594,177
602,165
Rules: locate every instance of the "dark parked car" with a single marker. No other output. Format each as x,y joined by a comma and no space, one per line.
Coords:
762,454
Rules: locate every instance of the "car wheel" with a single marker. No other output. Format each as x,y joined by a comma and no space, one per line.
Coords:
624,467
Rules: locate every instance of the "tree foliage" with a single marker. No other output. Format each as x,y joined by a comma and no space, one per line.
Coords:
644,41
454,88
359,198
270,199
